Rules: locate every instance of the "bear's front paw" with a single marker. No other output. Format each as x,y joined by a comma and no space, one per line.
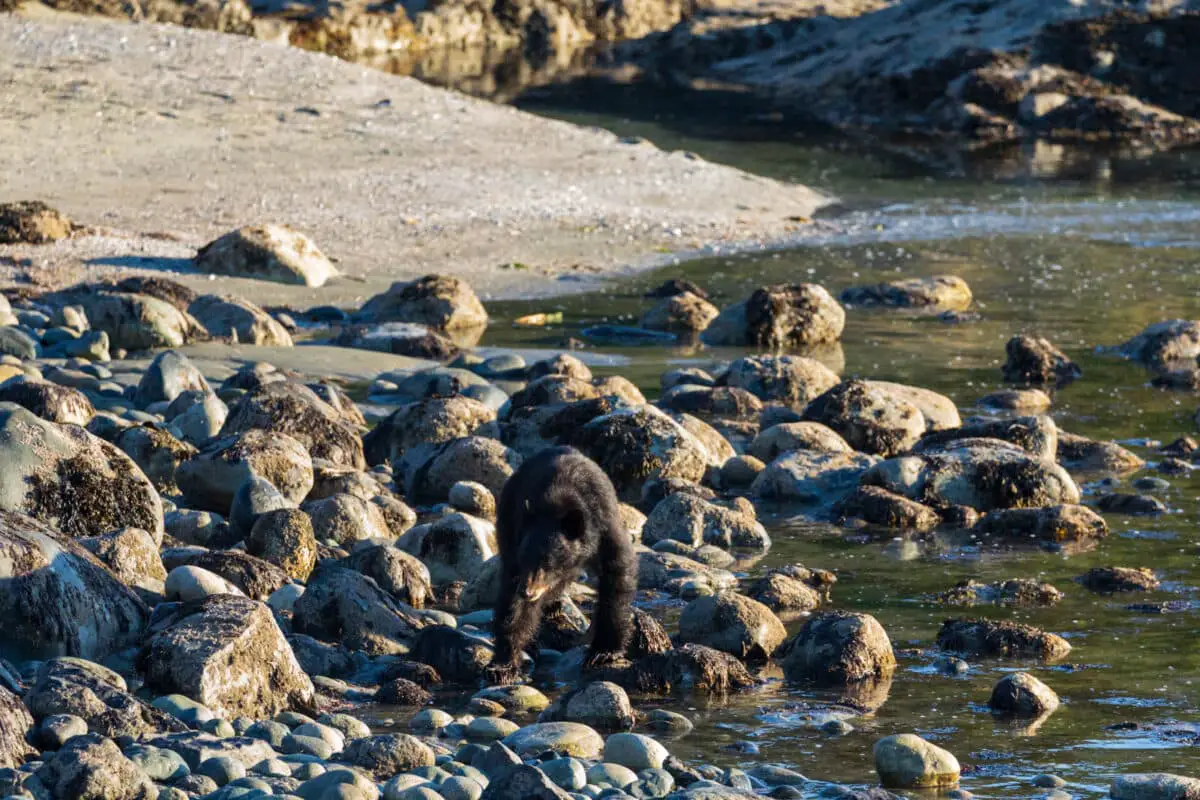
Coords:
502,674
599,661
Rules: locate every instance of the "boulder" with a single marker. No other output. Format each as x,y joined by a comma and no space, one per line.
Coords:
473,458
441,302
869,417
157,453
811,477
1165,345
877,506
1081,454
689,519
1154,786
58,599
635,445
169,375
344,606
196,417
32,222
70,479
455,547
1022,695
16,728
239,320
734,624
1108,580
211,478
457,656
1015,592
937,292
227,653
49,401
413,432
399,338
906,761
135,321
256,578
792,589
519,780
388,754
131,556
1034,360
295,410
398,573
838,648
1036,435
711,401
794,381
680,313
96,695
687,668
778,317
1060,524
90,767
345,519
776,440
564,738
598,704
267,252
999,638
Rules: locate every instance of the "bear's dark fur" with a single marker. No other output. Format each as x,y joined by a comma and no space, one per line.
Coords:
558,515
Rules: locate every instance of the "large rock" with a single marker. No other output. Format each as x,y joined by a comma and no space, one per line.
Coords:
57,599
15,725
132,557
285,538
984,474
807,476
1081,454
776,440
687,668
49,401
157,453
90,767
239,320
1037,435
210,479
1034,360
169,375
598,704
1060,524
1165,345
794,381
937,292
228,654
1154,786
295,410
398,573
779,316
96,695
689,519
76,482
519,780
32,222
268,252
472,458
455,547
907,761
877,506
457,656
388,754
135,321
871,418
1020,694
680,313
413,432
399,338
636,445
441,302
345,519
344,606
256,578
565,738
977,637
734,624
839,647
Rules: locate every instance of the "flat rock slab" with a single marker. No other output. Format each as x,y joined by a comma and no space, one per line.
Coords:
165,138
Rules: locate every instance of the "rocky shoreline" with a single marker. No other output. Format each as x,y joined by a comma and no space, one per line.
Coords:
208,568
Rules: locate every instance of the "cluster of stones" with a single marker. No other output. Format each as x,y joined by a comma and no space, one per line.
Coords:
247,559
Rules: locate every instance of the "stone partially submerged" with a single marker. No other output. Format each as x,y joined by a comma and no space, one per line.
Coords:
939,292
999,638
781,316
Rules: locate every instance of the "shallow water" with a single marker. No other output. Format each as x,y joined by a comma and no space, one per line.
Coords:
1087,263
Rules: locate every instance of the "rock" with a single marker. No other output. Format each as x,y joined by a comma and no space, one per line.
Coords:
688,668
984,474
635,751
1061,524
680,313
398,573
685,518
239,320
289,408
794,381
670,573
285,538
780,316
474,499
938,292
781,592
1037,436
1087,455
789,436
566,773
441,302
1137,504
458,657
939,411
196,417
132,557
472,458
32,222
521,781
599,704
65,476
1026,401
388,754
1034,360
135,321
267,252
456,547
811,477
255,497
341,605
998,638
1017,592
1021,694
1108,580
99,696
711,401
401,692
17,343
340,784
91,767
211,478
16,726
49,401
1165,345
256,578
58,599
412,434
837,648
58,729
191,584
227,653
870,419
345,519
157,453
878,506
907,761
676,286
1154,786
399,338
564,738
169,375
734,624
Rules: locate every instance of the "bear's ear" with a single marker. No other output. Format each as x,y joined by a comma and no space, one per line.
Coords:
573,524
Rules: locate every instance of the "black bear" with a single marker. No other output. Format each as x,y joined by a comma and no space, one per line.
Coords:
558,515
